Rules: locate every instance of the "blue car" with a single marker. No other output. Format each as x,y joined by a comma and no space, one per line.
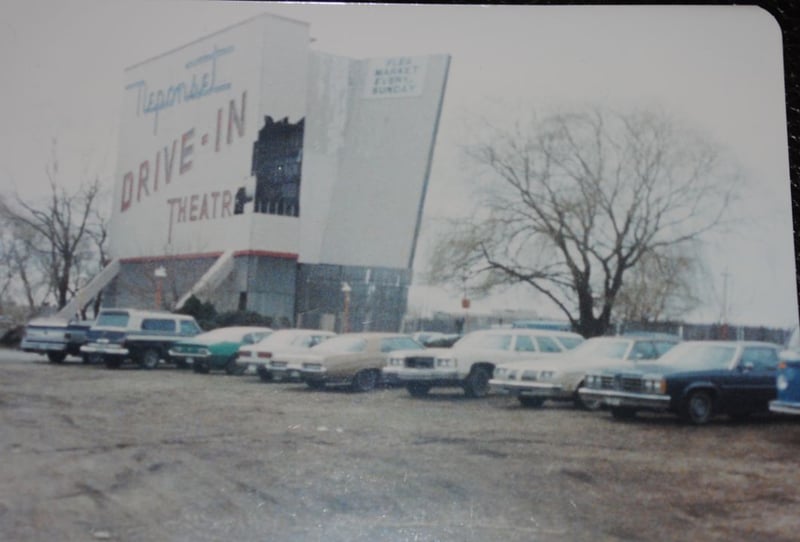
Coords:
695,380
788,384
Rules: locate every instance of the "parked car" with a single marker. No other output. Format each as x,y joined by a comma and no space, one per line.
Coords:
469,363
144,337
354,359
558,378
787,384
55,338
695,380
216,349
267,355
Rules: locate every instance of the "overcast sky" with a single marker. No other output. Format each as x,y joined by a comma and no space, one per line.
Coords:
717,69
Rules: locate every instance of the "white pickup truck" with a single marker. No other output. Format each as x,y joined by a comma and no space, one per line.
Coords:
56,338
471,361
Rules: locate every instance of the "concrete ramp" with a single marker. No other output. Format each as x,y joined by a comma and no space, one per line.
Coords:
218,272
88,292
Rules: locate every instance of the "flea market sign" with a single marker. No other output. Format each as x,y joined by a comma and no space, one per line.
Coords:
395,77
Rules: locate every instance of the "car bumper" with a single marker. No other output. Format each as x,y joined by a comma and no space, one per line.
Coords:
402,376
106,350
285,373
42,346
616,398
528,389
784,407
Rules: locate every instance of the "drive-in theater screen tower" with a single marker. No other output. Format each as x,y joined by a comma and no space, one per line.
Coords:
260,175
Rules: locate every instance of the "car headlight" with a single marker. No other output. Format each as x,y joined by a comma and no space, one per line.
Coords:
654,385
547,375
499,372
445,362
782,383
312,366
395,362
529,375
593,381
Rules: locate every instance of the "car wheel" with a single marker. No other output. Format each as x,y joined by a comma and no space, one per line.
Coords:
265,375
698,407
233,368
584,403
477,383
56,357
418,390
315,384
365,380
112,362
623,413
200,367
531,402
149,359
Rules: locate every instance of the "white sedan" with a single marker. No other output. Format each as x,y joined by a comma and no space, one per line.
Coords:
263,354
559,378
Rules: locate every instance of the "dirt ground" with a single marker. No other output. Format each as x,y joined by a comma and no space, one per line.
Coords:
94,454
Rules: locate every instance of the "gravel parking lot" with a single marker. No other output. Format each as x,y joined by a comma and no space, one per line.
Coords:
90,453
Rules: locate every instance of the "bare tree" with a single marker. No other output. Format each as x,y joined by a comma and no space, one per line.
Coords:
662,286
56,232
574,201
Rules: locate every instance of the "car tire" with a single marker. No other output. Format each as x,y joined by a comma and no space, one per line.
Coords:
56,357
418,390
233,368
149,359
315,384
582,403
365,380
265,375
531,402
477,383
698,407
623,413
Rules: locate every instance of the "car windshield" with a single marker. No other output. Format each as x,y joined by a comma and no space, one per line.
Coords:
489,341
700,356
570,342
113,319
342,345
603,348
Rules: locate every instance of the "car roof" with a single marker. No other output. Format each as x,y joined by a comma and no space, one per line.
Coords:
736,343
526,331
146,313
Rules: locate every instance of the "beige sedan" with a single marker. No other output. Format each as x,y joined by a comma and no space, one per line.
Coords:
355,359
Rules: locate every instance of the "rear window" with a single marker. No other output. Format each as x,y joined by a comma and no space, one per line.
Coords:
113,319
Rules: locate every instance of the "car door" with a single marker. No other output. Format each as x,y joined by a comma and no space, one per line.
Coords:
750,382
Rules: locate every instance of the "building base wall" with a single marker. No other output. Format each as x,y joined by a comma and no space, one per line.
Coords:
300,295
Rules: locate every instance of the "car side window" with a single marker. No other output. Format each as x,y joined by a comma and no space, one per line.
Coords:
761,358
189,328
644,350
158,324
524,343
546,344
